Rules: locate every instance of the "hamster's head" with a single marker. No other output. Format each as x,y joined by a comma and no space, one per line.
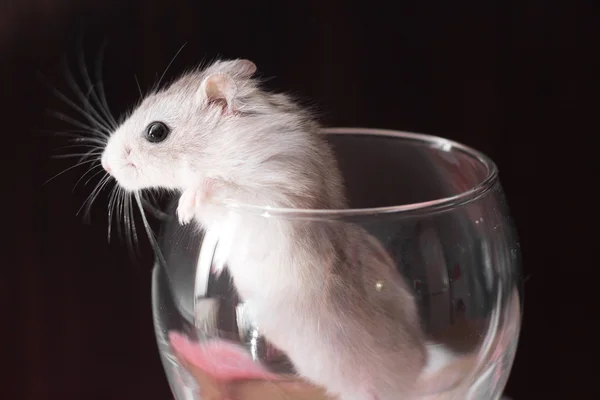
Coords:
179,134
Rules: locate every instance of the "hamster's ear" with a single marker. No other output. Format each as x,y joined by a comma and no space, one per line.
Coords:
239,68
243,68
218,89
220,86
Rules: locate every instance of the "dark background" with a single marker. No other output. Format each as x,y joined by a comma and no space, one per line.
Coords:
506,77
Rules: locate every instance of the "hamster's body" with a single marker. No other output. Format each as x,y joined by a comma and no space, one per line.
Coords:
328,296
325,293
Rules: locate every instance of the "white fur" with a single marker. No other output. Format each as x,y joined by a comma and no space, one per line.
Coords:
310,286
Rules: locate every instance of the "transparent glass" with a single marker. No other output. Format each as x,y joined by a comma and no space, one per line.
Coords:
436,207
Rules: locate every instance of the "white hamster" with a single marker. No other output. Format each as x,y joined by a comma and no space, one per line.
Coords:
327,294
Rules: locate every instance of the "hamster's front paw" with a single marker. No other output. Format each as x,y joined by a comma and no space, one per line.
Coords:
187,206
193,198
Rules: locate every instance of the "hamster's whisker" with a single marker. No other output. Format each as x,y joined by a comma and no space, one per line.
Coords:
91,198
138,87
111,208
70,133
101,97
134,229
60,95
148,206
71,82
77,136
148,229
131,238
85,146
97,142
92,113
115,206
89,171
79,124
88,203
127,223
89,108
73,155
85,174
120,209
157,86
68,169
96,174
93,152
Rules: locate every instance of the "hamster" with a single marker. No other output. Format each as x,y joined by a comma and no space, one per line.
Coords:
325,293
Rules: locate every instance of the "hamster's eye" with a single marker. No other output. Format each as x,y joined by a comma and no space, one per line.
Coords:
157,132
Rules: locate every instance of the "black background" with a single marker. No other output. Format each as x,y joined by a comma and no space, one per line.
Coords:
506,77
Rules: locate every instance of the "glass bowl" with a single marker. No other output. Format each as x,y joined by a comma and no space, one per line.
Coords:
438,209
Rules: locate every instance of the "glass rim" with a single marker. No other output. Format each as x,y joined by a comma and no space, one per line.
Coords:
426,207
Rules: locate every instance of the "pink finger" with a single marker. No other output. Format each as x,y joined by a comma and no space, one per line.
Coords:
220,359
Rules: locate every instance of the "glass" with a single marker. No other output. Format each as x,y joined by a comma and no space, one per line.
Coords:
438,209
